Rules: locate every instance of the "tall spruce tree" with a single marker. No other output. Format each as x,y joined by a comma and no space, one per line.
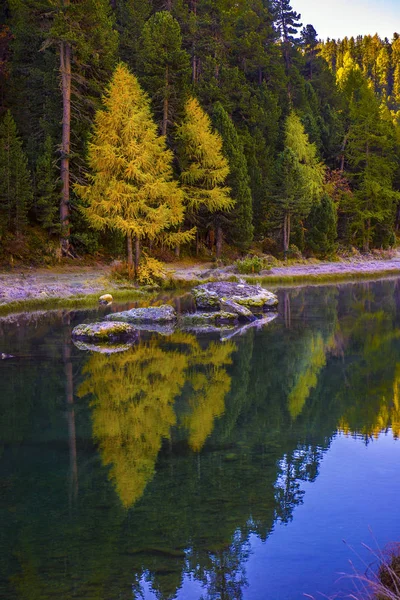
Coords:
164,66
371,163
15,180
204,169
131,188
47,189
287,22
86,42
240,230
321,227
131,17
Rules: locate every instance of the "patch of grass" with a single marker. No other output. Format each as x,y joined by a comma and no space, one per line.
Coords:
78,301
382,580
323,277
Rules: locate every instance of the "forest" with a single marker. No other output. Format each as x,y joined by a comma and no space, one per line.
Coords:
158,128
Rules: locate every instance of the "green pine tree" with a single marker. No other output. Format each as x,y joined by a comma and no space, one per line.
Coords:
240,231
15,179
321,228
164,66
47,194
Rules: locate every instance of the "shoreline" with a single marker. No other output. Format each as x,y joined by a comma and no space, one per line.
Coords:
79,286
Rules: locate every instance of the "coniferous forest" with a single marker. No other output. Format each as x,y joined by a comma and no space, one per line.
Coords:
149,128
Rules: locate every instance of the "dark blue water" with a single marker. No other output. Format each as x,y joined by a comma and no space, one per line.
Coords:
189,467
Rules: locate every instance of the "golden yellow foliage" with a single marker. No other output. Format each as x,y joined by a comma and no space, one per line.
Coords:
209,383
131,187
133,396
205,168
309,378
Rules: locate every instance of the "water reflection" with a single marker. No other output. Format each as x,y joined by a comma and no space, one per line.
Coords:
133,403
147,466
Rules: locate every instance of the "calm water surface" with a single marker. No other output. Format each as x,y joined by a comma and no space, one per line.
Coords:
189,467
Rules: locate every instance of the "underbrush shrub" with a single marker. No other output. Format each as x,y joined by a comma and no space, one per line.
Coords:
251,264
150,271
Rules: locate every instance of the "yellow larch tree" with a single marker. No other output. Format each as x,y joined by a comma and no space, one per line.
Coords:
204,168
130,188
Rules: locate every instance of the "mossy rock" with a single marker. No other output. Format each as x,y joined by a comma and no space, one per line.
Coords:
104,331
256,298
151,314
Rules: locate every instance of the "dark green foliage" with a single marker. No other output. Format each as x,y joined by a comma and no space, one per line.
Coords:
164,66
240,232
286,20
130,18
251,59
321,226
46,190
15,179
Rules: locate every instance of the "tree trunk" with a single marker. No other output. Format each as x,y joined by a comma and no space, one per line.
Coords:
129,250
218,243
287,310
366,236
166,104
137,254
342,156
177,250
286,234
65,68
193,7
397,225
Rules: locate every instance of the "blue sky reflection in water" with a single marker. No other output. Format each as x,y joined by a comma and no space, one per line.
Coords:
193,468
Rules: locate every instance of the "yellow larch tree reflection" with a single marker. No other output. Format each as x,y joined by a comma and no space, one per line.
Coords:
314,361
385,418
209,384
133,395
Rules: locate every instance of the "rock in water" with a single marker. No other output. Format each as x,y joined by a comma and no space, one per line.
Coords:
152,314
256,298
243,313
105,299
103,332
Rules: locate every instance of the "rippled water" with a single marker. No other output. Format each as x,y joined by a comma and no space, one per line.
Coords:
189,467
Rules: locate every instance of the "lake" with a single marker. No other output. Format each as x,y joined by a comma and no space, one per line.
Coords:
190,467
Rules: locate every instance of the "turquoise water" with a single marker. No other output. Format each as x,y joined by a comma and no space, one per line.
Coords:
189,467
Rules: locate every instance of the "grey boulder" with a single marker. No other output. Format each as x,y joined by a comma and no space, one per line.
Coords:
255,298
103,332
151,314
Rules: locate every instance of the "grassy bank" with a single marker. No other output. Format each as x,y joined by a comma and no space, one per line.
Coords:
318,278
71,302
132,293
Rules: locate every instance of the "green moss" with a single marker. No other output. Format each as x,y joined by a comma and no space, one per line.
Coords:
78,301
324,277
